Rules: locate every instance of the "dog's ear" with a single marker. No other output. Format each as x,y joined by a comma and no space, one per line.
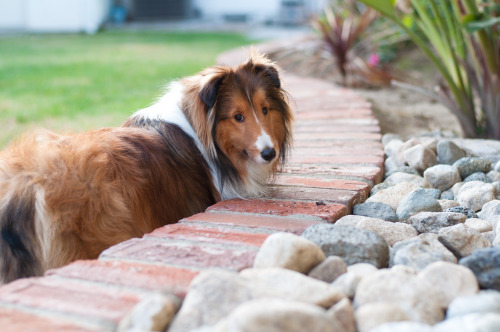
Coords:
208,93
271,73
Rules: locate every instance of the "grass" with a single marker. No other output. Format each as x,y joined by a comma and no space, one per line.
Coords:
80,82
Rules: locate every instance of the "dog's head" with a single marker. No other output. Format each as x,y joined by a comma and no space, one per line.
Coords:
243,119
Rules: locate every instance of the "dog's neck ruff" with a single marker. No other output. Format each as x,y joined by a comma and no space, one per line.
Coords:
168,109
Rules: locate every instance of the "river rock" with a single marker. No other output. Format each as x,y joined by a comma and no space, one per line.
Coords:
493,176
432,222
468,213
479,225
402,287
448,152
415,202
418,253
393,195
392,148
329,269
391,164
375,210
276,315
348,282
151,314
470,323
343,314
351,244
391,232
386,138
371,315
376,188
288,251
469,165
485,263
296,286
483,302
420,157
405,146
448,194
213,294
475,194
403,327
447,203
401,169
491,212
400,177
442,177
462,240
478,176
497,166
449,281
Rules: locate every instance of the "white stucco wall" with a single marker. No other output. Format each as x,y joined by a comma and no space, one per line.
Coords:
53,15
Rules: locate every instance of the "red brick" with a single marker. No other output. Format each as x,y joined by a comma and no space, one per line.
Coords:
90,301
327,212
332,128
346,159
276,223
12,320
148,250
339,144
340,114
208,234
362,187
131,274
296,193
371,173
338,151
334,135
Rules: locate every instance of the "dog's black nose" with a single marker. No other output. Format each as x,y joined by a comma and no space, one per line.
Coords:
268,154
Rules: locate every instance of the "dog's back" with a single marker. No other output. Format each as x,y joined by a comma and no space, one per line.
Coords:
69,197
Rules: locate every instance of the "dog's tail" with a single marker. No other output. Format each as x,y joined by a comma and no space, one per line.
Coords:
19,246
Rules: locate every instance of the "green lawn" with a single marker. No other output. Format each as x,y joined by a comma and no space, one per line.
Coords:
79,82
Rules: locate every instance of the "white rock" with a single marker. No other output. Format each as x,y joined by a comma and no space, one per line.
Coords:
152,314
433,240
470,323
392,163
456,187
393,195
400,177
300,287
491,212
475,194
462,240
213,294
391,232
343,314
447,203
276,315
348,282
403,327
392,147
371,315
405,146
479,225
329,270
449,281
420,158
493,176
482,302
352,220
289,251
442,177
402,287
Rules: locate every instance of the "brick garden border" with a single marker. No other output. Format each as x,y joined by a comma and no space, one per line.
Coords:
336,159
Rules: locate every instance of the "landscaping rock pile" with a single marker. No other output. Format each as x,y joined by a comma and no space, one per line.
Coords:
421,254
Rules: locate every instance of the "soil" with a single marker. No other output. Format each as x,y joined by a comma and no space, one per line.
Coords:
399,110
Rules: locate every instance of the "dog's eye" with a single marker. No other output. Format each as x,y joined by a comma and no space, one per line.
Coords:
239,118
264,110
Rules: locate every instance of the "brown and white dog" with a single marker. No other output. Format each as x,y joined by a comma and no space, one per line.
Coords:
216,135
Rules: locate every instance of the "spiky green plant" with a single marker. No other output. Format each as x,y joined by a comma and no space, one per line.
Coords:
462,39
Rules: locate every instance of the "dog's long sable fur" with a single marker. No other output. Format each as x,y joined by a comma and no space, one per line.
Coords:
215,135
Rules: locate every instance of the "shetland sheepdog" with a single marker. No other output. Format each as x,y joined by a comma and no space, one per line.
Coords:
216,135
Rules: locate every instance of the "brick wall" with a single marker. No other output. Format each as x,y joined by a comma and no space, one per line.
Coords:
336,158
